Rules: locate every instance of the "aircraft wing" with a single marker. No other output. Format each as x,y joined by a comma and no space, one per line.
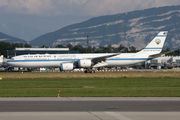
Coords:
100,59
159,54
103,58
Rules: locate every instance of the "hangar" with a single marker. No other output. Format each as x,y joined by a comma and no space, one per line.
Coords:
23,51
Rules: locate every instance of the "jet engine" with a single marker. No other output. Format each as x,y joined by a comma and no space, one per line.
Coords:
66,66
85,63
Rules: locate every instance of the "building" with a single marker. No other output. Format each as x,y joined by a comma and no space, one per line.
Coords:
163,62
23,51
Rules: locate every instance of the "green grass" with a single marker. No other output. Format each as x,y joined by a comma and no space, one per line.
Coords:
91,87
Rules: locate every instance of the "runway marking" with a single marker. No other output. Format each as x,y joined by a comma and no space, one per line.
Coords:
118,116
69,98
94,115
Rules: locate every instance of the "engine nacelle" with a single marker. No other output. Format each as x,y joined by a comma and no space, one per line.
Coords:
66,66
85,63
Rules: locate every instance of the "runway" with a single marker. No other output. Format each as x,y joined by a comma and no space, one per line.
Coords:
74,106
96,108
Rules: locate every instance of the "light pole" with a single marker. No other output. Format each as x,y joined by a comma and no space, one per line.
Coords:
87,43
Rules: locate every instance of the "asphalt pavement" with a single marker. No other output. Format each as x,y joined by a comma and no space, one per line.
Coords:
90,108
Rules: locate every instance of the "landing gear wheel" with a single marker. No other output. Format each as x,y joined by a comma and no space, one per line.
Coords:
89,71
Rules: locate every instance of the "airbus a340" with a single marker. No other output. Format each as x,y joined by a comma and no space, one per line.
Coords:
90,61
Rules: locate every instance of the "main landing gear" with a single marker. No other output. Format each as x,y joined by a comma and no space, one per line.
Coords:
89,71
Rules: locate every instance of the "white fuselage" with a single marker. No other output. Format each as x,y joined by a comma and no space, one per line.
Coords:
55,60
67,61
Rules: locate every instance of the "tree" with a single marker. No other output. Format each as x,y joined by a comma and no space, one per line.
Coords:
4,46
43,46
70,46
59,46
108,49
177,52
79,48
27,45
17,45
132,49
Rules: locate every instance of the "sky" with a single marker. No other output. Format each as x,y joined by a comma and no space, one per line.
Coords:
66,11
79,7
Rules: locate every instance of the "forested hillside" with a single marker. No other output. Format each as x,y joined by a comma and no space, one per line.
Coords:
136,28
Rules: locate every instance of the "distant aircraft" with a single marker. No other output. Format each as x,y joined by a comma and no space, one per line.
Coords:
1,60
90,61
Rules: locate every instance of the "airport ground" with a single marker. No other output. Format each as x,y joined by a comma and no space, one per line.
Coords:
146,73
101,86
90,108
137,95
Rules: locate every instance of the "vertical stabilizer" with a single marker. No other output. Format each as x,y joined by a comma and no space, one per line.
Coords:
156,45
1,59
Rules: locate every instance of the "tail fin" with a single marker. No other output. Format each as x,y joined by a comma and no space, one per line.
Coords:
156,45
1,58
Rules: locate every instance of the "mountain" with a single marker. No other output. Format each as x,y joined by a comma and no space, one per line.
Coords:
10,39
28,27
135,28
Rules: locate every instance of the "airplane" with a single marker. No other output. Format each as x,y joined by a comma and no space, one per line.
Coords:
92,61
1,60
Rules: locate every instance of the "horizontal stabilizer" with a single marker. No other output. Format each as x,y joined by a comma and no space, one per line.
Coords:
159,54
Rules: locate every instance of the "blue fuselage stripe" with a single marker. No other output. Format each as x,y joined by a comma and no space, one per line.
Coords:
68,60
130,59
43,60
161,36
152,48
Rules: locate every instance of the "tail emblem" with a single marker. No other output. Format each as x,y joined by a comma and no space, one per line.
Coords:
158,41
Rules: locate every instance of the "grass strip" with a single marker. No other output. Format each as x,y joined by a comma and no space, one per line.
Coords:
91,87
128,74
